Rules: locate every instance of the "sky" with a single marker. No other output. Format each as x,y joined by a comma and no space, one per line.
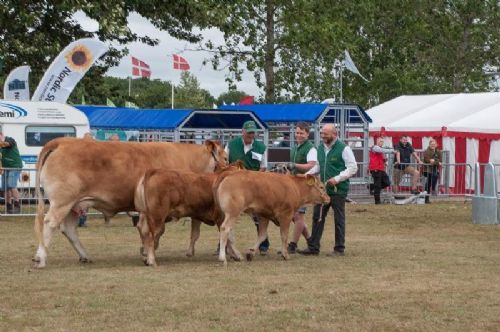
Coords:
159,57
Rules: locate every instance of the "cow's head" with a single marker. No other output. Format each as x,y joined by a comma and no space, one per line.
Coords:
236,166
317,191
217,153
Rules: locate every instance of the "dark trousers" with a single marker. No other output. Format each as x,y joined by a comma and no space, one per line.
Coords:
377,184
430,185
337,203
264,246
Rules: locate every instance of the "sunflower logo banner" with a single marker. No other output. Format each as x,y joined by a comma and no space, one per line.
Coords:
67,70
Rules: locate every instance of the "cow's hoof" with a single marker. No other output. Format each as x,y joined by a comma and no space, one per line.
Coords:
36,259
39,265
249,256
189,254
285,257
236,258
85,260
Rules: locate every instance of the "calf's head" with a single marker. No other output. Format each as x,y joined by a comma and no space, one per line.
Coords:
217,153
316,192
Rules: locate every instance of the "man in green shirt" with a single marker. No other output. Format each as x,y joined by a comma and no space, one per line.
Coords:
253,154
11,159
336,164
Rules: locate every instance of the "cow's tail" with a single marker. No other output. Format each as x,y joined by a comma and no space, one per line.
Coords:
140,197
215,186
40,210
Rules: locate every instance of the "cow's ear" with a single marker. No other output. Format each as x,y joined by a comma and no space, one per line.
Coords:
311,180
211,145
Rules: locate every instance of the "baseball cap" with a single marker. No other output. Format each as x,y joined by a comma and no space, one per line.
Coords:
250,126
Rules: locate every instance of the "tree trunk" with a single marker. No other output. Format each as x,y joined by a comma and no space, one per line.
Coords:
270,53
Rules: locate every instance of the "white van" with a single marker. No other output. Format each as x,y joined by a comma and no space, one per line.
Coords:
32,124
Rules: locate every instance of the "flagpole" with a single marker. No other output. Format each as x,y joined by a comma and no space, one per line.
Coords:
172,85
341,70
129,85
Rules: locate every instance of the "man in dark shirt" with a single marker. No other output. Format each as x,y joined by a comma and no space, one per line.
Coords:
11,159
404,152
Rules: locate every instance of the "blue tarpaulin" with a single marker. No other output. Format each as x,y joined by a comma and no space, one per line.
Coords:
129,118
216,119
294,112
104,117
282,112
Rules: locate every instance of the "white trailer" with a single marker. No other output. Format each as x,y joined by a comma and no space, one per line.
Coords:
32,124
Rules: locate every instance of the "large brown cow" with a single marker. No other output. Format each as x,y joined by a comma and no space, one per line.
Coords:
273,196
163,195
79,173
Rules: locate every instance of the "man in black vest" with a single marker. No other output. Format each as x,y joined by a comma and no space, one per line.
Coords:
402,164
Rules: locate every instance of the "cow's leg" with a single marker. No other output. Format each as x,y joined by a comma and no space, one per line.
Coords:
68,228
195,235
233,252
146,229
159,234
139,226
261,237
284,226
226,227
51,222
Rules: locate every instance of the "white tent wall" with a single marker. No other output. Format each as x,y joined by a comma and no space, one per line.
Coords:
449,145
495,159
472,157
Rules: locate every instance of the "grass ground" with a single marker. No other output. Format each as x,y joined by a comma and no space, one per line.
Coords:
420,268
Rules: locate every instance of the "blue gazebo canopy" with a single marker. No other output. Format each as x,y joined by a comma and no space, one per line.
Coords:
130,118
104,117
296,112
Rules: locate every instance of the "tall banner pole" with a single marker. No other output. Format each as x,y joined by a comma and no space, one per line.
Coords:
172,84
341,96
129,85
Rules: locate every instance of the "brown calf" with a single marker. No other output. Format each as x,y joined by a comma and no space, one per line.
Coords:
272,196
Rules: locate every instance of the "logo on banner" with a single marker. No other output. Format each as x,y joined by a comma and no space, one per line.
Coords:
79,58
12,111
17,85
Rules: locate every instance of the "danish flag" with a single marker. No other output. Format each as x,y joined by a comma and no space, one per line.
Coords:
140,68
180,63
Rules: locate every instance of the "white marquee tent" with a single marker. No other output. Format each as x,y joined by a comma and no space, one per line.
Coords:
466,125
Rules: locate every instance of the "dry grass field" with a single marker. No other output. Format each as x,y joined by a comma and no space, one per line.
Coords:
418,268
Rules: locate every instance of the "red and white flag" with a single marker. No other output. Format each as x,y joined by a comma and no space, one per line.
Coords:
180,63
140,68
247,100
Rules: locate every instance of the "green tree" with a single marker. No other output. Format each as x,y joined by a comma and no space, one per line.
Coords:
34,32
232,96
189,94
403,47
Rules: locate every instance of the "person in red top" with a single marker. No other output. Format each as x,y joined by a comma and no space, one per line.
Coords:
377,168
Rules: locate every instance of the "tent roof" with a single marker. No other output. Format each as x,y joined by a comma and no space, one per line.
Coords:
282,112
216,119
296,112
129,118
486,121
432,112
104,117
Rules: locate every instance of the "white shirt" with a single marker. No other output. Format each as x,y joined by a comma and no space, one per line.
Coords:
349,160
312,155
256,156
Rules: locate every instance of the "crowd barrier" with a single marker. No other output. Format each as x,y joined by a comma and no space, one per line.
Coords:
486,198
455,180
